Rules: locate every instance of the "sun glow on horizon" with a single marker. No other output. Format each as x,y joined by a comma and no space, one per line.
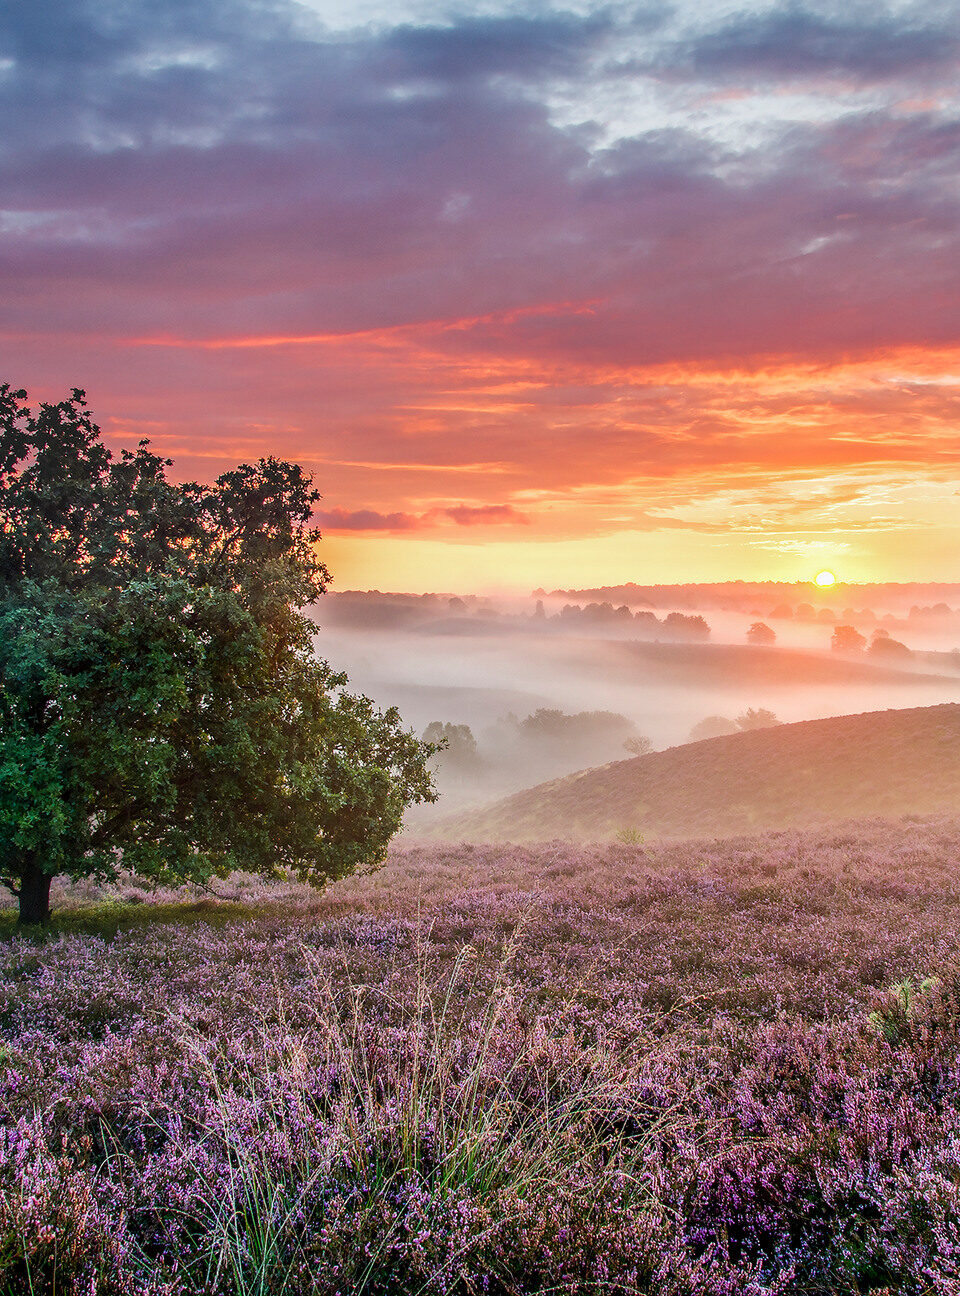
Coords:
825,579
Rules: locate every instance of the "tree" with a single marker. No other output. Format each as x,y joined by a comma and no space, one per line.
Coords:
882,646
161,707
760,718
678,626
456,743
761,635
554,727
847,639
639,746
712,727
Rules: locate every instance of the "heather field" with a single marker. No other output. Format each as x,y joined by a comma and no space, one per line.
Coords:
722,1066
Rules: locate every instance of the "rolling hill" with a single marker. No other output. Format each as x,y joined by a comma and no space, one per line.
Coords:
878,763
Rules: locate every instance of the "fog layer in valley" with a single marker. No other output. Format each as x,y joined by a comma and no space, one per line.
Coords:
527,694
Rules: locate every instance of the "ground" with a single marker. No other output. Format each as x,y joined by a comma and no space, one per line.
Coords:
715,1066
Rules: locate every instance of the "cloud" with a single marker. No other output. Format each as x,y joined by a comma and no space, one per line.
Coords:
484,514
520,45
515,249
875,44
230,169
339,519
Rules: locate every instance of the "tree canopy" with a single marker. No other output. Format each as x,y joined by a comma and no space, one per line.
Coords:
759,718
760,635
162,709
847,639
713,726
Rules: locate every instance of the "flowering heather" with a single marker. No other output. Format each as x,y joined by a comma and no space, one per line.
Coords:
714,1067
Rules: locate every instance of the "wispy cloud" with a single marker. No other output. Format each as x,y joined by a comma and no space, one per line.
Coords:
463,515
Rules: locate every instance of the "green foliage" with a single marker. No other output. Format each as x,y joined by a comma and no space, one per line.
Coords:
161,706
630,836
899,1010
550,725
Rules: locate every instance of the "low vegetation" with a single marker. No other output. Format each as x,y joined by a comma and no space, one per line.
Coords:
709,1067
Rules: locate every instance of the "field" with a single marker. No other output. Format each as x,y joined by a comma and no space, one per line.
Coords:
715,1067
815,771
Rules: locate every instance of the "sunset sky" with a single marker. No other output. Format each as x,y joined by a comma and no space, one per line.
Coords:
542,296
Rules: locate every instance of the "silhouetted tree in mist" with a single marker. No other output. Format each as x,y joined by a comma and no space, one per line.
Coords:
761,636
847,639
760,718
714,726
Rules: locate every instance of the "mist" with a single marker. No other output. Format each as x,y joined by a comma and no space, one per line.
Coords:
496,667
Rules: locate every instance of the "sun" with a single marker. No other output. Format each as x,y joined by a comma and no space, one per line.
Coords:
825,579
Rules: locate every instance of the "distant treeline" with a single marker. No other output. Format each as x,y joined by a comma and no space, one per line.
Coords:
675,625
737,596
477,614
373,610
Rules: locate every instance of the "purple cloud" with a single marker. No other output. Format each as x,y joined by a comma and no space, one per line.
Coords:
485,514
222,169
339,519
488,266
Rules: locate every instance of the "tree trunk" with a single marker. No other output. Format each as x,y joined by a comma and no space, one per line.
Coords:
34,895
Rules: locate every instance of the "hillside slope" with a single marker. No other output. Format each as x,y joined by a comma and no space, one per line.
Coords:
878,763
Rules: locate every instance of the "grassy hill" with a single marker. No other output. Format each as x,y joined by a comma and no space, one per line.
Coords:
879,763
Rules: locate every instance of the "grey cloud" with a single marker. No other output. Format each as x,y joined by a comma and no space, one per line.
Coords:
792,41
287,182
514,44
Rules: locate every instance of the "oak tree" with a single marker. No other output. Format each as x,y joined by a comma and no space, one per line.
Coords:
162,709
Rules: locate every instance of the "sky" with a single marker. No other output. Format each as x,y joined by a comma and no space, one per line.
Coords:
542,296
